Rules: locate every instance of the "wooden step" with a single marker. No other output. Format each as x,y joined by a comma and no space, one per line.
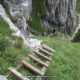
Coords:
44,51
38,60
17,74
34,69
42,55
47,48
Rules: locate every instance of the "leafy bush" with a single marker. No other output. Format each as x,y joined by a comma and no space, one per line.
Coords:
78,6
37,13
1,1
4,28
77,37
4,42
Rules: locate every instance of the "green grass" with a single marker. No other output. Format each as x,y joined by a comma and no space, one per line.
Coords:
36,25
37,12
78,6
10,54
66,59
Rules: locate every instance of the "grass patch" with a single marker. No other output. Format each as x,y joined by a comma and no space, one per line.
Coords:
10,53
37,12
66,60
78,6
77,37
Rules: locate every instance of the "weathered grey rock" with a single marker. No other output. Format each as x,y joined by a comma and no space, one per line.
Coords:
20,6
61,14
20,10
16,30
3,77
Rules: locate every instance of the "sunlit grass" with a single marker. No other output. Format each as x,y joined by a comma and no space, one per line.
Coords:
66,59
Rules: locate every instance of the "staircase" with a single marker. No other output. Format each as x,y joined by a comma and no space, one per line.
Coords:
41,57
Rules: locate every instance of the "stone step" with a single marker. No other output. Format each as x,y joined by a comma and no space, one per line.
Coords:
32,68
38,60
42,55
47,48
44,51
17,74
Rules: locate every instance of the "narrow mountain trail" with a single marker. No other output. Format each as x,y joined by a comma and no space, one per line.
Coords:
41,59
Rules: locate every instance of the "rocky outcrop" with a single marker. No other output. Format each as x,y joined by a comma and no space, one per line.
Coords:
20,10
61,15
6,18
16,31
19,31
76,34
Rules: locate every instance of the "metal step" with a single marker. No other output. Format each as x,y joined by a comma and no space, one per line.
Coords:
38,60
34,69
42,55
17,74
47,48
44,51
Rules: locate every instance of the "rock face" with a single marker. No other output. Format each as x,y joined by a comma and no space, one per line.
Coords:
76,35
3,77
61,15
7,19
19,31
20,10
15,29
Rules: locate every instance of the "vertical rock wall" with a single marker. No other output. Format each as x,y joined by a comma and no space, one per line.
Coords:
61,15
20,10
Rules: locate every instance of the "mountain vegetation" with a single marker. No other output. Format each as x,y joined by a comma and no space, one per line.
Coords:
78,6
66,59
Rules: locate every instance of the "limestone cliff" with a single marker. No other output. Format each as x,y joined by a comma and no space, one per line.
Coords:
55,15
61,15
20,10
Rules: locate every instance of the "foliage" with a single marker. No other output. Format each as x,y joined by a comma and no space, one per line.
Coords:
77,37
10,54
37,12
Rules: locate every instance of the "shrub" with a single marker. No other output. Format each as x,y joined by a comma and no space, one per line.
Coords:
77,37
